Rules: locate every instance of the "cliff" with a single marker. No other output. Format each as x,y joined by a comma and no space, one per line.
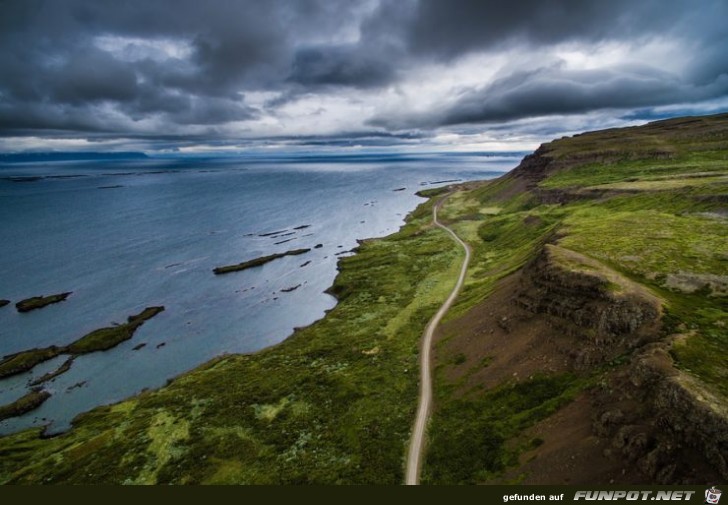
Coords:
600,272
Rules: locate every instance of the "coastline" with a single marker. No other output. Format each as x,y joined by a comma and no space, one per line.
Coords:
208,315
320,355
570,349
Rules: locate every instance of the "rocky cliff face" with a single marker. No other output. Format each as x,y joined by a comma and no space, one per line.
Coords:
534,167
663,421
603,311
654,417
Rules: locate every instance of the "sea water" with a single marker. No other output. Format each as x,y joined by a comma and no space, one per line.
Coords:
124,235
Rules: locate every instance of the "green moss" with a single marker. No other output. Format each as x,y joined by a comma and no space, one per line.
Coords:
25,360
257,262
25,404
106,338
38,302
468,435
98,340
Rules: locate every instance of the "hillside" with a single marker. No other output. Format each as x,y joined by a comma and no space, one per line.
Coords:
586,347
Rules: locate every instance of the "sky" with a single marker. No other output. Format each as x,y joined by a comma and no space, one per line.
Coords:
187,76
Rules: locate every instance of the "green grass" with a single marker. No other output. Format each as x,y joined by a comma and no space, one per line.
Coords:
502,242
469,435
667,234
678,253
672,148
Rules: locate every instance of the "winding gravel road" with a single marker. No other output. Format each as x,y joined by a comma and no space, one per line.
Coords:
417,442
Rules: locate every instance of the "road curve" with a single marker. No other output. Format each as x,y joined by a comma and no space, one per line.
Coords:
417,442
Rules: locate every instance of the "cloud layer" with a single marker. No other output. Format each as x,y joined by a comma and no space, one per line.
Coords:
303,71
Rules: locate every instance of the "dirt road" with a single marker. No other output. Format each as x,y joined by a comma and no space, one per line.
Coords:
417,442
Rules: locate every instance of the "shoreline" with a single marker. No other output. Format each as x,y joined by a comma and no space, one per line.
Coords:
433,192
64,424
322,383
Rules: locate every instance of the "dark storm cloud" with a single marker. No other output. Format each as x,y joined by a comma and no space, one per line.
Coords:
54,71
446,30
451,28
555,90
187,68
340,66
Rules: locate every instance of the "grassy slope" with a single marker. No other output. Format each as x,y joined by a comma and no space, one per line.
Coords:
649,202
332,404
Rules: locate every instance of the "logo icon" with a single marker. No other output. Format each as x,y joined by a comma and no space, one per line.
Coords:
712,495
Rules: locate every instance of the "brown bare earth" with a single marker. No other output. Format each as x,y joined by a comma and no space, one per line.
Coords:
517,344
567,313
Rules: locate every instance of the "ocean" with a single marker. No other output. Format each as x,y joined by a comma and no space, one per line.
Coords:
122,235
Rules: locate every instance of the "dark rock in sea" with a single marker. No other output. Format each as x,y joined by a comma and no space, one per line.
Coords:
25,404
139,346
65,367
23,179
305,264
159,346
23,361
106,338
76,386
257,262
111,187
283,241
302,227
38,302
318,246
445,181
3,303
270,234
399,189
98,340
288,290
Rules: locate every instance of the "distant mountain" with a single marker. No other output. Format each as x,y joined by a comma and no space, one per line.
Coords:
69,156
